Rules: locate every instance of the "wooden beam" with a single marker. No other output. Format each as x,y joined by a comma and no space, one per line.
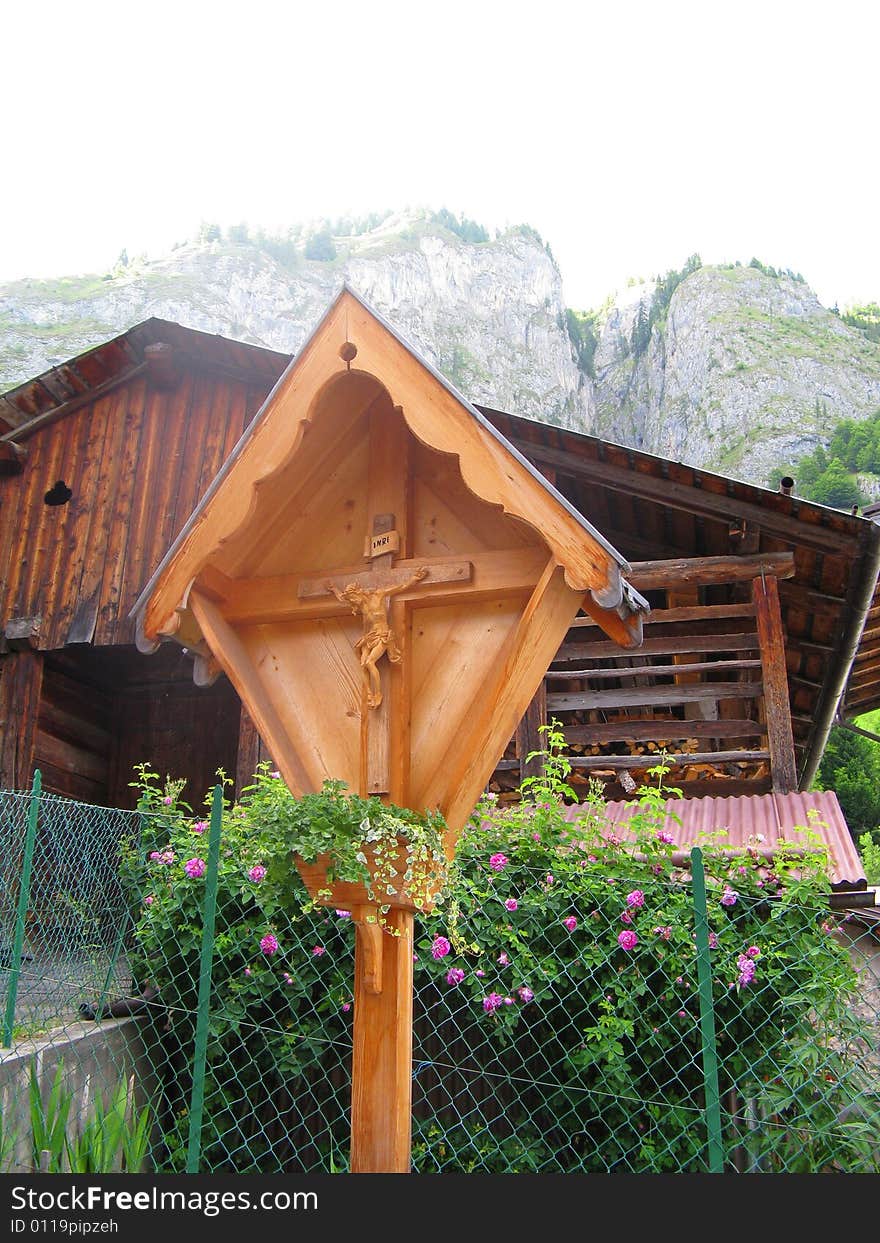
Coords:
765,595
655,671
626,632
663,646
649,696
529,737
258,601
446,572
381,1092
700,612
693,500
23,632
26,430
586,762
12,458
708,571
659,729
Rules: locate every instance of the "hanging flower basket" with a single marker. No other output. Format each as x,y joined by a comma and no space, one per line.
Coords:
399,876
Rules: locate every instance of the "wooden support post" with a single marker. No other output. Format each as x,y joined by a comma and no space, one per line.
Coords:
528,734
381,1093
777,709
250,752
21,682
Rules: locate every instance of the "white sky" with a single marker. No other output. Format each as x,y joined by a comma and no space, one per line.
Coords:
630,134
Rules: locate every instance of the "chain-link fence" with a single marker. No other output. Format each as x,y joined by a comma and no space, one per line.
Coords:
576,1010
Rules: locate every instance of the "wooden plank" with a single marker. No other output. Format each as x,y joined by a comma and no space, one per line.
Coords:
665,645
659,729
117,591
719,787
388,510
72,690
72,785
455,648
707,571
139,537
29,568
701,612
691,500
508,687
587,762
375,767
21,677
311,673
176,414
656,671
248,754
629,697
64,568
381,1072
400,691
529,737
232,655
69,758
206,395
765,595
73,727
225,423
87,593
447,515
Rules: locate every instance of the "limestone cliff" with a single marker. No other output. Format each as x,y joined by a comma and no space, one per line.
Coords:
737,369
488,315
743,373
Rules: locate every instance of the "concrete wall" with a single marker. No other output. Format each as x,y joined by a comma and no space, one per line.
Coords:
95,1057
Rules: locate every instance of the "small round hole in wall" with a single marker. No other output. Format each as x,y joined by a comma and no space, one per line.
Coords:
58,494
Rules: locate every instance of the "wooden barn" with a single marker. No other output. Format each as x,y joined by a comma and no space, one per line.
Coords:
764,625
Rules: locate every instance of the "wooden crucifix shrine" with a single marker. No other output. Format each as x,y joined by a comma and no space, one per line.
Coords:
384,580
379,596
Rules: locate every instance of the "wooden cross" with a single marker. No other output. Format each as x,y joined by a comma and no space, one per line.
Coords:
370,594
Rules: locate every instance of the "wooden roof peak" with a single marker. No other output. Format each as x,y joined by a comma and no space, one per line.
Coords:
353,345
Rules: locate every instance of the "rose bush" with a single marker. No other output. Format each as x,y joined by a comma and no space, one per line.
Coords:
557,1003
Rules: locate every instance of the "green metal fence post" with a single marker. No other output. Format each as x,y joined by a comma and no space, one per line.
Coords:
24,894
197,1103
707,1017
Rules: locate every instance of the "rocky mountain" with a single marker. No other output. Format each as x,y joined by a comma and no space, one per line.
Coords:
742,372
488,315
738,369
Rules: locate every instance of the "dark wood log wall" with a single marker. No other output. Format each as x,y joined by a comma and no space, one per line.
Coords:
136,462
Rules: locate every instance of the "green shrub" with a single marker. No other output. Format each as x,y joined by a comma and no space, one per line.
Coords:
558,1022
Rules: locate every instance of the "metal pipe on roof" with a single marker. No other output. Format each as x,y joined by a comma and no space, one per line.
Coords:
786,485
827,708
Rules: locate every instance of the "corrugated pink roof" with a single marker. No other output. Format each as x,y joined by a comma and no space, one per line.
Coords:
773,816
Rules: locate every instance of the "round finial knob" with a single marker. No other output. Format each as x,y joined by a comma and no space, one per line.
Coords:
347,351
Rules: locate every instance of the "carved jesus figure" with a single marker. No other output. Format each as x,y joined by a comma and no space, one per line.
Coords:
378,638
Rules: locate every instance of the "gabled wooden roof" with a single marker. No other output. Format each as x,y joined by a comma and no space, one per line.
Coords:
242,497
63,388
